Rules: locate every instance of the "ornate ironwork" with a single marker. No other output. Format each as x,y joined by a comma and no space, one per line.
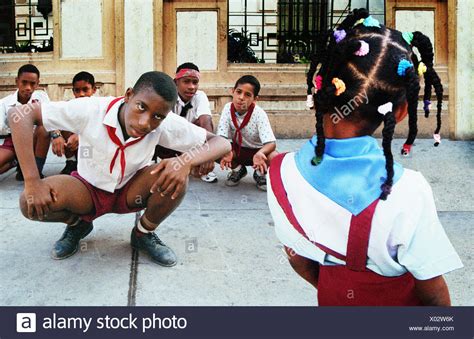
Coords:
293,31
26,26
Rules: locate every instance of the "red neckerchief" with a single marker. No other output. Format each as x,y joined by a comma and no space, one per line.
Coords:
120,147
237,139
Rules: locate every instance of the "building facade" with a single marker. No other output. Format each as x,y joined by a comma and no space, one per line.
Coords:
117,40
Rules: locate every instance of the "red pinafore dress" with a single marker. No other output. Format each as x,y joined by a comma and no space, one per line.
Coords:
351,284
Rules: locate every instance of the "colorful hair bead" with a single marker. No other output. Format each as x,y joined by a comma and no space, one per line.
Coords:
426,106
363,50
316,160
403,65
371,22
385,108
318,82
421,68
408,37
339,35
406,149
358,22
437,139
340,86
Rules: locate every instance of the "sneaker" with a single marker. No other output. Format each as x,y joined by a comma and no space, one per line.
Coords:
70,167
261,181
209,177
151,244
233,178
68,244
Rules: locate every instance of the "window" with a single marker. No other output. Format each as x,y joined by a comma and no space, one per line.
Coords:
286,31
26,26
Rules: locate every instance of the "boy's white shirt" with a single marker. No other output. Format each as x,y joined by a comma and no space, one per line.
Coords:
11,101
200,104
86,117
406,234
257,133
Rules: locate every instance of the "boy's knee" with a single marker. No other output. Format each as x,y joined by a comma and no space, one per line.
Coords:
23,205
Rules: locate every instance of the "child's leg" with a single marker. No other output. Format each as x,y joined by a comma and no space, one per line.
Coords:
41,141
73,200
158,208
306,268
6,159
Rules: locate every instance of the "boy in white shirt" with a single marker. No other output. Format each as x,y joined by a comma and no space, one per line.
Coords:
193,105
247,125
117,138
27,82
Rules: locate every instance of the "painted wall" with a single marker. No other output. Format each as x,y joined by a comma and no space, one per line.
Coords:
197,38
464,72
138,39
81,28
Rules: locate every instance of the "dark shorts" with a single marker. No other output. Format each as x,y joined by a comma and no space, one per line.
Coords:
245,156
106,202
8,144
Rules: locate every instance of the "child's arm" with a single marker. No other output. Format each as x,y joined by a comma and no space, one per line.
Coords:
306,268
433,292
38,193
173,172
260,158
58,144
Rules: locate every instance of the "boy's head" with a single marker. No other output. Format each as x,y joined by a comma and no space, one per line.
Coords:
370,75
245,93
148,103
83,85
187,80
27,82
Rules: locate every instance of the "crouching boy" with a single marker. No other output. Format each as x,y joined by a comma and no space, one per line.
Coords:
117,138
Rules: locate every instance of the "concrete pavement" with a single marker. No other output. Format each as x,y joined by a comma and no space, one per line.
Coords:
228,253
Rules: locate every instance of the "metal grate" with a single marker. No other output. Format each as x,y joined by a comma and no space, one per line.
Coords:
286,31
26,26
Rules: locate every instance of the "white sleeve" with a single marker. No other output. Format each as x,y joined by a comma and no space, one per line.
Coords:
179,134
427,252
4,129
203,106
71,115
265,131
42,96
223,129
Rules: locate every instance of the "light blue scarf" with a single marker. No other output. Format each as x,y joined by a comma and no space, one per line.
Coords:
351,172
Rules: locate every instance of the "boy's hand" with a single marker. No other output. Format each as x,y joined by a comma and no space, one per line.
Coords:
260,162
58,146
39,195
226,161
172,177
72,143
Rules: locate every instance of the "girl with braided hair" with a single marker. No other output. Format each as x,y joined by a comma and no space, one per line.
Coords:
356,225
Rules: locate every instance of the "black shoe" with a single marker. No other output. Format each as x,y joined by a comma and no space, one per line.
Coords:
233,178
151,244
70,167
261,181
68,244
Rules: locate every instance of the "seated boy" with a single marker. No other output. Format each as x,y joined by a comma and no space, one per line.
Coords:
27,82
64,142
117,138
247,125
193,105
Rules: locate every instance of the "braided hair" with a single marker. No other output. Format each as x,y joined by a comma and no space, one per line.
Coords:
367,59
